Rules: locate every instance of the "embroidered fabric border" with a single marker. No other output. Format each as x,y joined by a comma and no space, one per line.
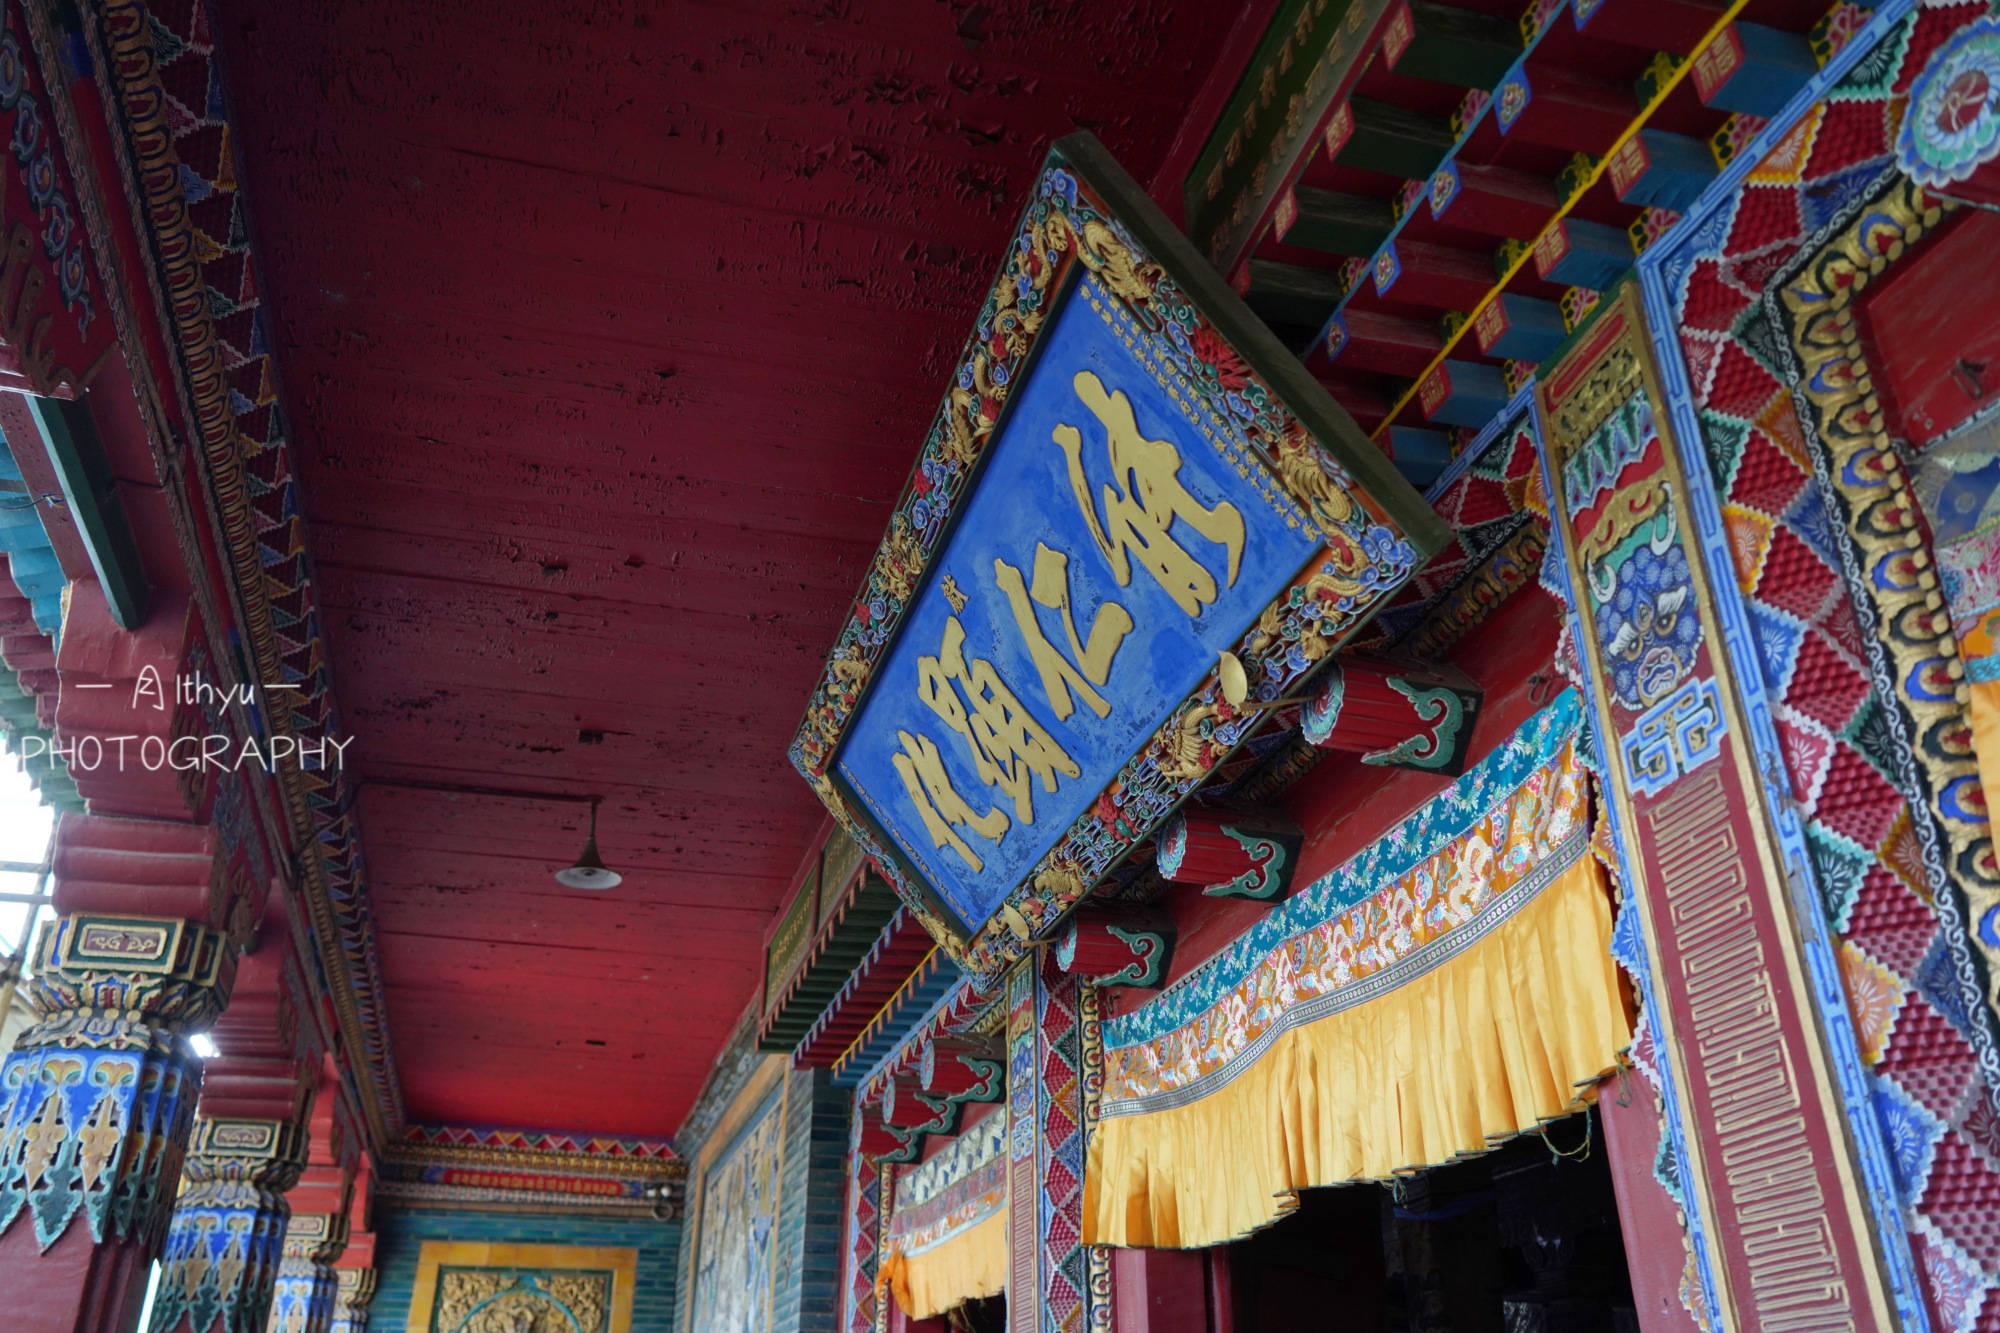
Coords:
953,1192
1419,896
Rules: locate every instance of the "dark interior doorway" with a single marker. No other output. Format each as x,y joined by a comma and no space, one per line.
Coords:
985,1316
1522,1240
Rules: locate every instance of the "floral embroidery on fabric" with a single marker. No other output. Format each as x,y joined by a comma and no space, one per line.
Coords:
1438,882
952,1192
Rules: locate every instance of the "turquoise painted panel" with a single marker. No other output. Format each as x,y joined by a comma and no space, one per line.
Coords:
400,1234
30,559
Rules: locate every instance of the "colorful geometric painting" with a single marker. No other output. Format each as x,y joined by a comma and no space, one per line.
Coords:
864,1225
1699,838
737,1220
1832,711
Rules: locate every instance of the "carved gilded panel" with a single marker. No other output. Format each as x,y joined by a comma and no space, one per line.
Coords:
478,1288
515,1301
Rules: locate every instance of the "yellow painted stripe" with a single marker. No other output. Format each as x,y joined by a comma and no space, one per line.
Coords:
888,1009
1639,123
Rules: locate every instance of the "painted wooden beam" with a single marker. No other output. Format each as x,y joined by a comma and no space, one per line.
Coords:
961,1078
877,1139
1376,136
1393,714
1656,169
68,429
1359,398
1463,393
909,1145
907,1107
1291,293
1562,108
1445,44
1514,327
1372,340
1577,253
1333,223
1106,947
1494,201
1439,277
1230,853
1419,454
1752,69
1650,25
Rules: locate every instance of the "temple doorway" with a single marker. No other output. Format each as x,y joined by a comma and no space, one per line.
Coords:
1522,1240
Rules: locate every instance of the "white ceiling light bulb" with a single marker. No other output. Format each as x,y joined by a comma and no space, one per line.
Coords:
589,872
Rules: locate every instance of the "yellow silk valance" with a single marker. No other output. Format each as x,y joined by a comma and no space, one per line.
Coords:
970,1265
947,1241
1451,986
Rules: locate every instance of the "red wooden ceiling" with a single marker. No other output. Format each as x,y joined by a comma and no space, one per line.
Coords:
608,334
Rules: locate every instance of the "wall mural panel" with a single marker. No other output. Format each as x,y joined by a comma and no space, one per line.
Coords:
736,1223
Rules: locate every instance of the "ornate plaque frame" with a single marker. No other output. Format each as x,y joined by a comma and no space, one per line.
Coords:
1086,217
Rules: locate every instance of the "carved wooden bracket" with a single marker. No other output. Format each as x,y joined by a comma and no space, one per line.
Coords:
875,1137
1108,948
1230,853
960,1078
907,1107
1395,715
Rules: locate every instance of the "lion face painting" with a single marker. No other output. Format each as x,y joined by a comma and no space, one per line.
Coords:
1642,597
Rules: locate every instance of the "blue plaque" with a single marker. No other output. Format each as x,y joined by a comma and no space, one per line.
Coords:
1128,478
1086,587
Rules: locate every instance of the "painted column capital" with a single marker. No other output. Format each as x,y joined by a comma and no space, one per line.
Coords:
318,1237
355,1288
226,1243
97,1096
305,1296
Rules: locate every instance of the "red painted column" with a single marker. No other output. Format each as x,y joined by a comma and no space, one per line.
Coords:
1656,1251
1159,1291
97,1098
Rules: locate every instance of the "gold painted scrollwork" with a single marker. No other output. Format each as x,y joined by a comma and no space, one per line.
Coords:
510,1301
1882,518
1610,383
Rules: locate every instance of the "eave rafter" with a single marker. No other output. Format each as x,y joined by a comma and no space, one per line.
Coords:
1485,173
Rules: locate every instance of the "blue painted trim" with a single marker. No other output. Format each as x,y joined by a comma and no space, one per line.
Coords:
923,1005
1495,429
31,559
1659,279
1638,965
